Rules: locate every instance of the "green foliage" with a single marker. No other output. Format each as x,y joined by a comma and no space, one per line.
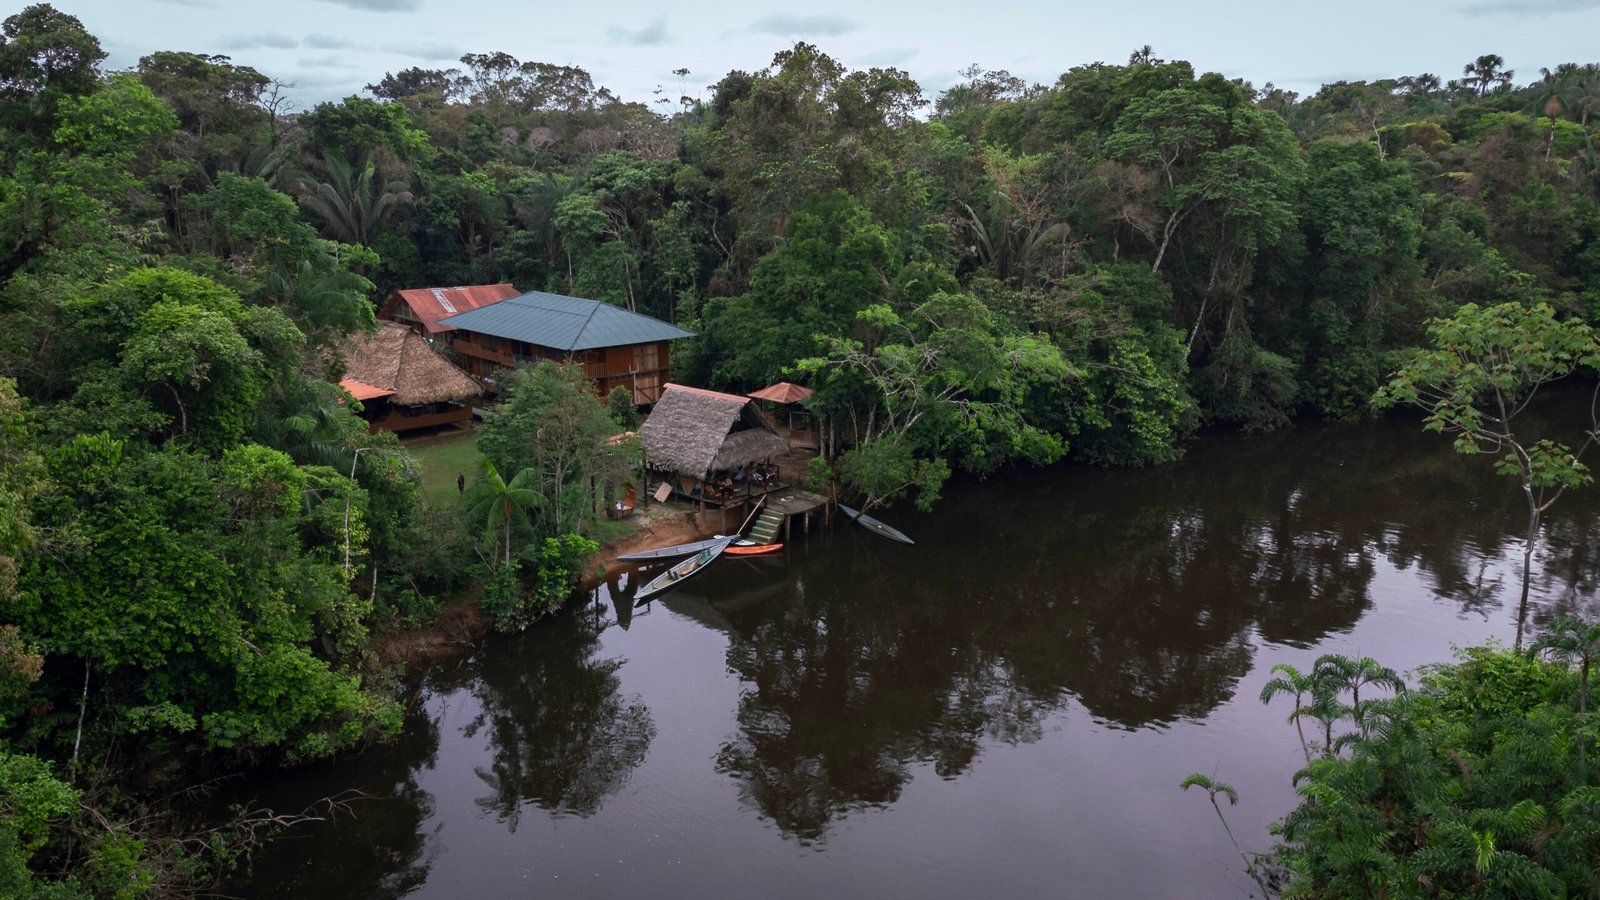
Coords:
31,797
1474,785
46,57
886,468
835,262
818,474
938,381
1486,362
551,425
619,403
358,125
560,564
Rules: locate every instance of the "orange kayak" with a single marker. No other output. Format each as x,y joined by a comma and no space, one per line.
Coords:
752,549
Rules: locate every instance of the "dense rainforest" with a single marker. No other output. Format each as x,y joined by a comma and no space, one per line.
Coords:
199,538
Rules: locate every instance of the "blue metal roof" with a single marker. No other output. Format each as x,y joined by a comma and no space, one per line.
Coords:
564,323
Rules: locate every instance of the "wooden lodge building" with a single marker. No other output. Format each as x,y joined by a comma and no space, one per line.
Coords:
616,348
422,308
403,383
711,447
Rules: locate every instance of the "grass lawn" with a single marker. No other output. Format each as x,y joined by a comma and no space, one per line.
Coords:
443,456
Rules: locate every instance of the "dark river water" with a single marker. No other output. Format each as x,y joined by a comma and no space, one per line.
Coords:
1004,709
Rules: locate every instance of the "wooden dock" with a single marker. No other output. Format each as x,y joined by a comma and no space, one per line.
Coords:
780,511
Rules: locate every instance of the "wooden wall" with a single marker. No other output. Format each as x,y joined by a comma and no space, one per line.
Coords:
641,368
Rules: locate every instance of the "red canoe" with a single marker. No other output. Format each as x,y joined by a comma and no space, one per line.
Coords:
752,549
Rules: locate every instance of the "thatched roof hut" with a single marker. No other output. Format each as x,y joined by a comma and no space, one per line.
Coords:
693,432
397,363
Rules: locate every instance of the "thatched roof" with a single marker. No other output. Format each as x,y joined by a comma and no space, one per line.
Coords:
693,431
395,358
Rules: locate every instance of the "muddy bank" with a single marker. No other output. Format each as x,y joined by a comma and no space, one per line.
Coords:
662,529
458,625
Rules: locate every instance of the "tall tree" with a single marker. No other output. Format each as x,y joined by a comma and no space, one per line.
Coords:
45,56
1485,366
1486,73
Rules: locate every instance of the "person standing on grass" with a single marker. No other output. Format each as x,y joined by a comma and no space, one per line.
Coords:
461,483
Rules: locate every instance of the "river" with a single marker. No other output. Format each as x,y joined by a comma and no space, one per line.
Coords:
1004,709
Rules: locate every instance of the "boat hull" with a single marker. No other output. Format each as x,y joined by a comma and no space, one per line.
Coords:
681,572
672,552
752,549
873,525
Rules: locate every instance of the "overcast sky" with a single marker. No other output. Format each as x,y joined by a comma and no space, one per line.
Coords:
331,48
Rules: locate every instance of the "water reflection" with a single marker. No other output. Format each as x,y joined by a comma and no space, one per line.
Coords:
561,734
1140,595
1075,599
383,847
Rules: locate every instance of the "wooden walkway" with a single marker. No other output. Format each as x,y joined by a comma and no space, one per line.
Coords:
781,508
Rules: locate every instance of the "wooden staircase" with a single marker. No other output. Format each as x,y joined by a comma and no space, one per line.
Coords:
766,527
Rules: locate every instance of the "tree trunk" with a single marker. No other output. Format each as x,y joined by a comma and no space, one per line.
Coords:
1527,571
83,709
1167,232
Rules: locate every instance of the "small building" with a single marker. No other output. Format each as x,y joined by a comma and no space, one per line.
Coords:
616,348
403,383
422,308
710,446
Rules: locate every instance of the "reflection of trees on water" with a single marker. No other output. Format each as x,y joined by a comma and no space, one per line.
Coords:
381,849
1137,593
847,695
561,735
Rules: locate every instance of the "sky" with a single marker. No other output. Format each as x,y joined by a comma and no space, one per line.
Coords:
330,49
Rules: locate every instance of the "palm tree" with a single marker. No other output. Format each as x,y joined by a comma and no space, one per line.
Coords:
325,303
307,419
1343,673
499,502
1326,709
1301,685
1144,56
1571,639
350,202
1485,72
1212,787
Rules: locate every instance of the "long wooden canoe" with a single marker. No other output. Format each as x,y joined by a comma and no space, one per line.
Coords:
674,551
871,524
681,571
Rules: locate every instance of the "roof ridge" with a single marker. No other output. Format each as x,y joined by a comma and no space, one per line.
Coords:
586,320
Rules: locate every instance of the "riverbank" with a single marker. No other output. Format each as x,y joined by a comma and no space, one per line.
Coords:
661,525
460,623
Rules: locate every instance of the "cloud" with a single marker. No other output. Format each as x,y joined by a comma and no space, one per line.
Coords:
380,5
889,56
652,35
425,51
328,42
1528,7
254,41
325,62
803,26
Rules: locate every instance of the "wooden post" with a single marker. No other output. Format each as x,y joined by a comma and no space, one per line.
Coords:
787,521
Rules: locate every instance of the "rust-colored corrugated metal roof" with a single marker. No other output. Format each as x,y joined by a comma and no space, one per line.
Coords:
782,392
361,390
432,304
